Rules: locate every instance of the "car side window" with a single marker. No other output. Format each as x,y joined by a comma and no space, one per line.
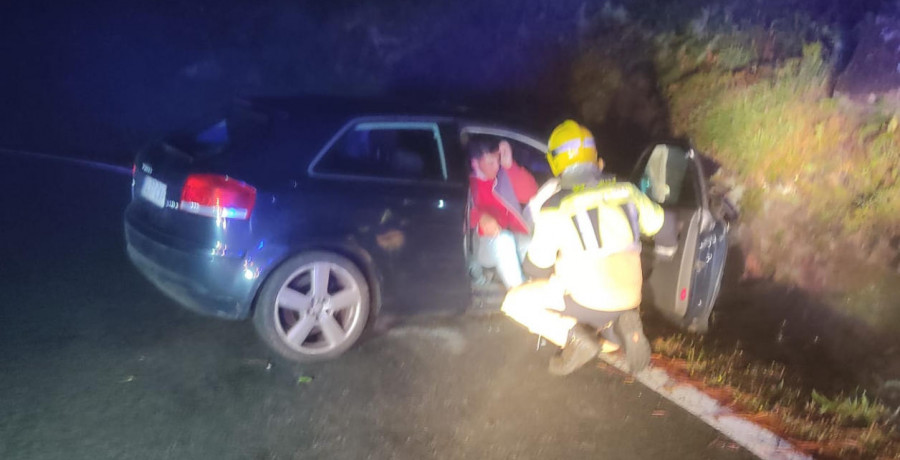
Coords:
392,150
532,159
526,155
669,177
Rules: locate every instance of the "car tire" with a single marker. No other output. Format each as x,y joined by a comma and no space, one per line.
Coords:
313,307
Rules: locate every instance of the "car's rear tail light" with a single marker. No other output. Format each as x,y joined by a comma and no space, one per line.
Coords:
213,195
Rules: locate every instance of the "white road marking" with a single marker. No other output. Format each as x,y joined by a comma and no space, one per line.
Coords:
756,439
88,163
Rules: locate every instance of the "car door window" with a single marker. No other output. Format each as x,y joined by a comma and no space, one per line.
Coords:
668,178
527,151
392,150
532,159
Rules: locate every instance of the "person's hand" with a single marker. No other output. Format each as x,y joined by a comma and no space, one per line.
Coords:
506,156
489,225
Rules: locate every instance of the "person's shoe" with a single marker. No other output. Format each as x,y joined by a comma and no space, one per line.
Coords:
631,332
579,350
479,277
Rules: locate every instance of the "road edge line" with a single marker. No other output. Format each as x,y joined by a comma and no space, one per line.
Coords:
78,161
756,439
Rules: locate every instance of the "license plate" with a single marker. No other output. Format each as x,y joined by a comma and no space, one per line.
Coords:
154,191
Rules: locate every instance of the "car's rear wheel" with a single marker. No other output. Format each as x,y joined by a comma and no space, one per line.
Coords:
313,307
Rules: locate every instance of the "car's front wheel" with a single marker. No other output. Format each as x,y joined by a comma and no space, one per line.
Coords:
313,307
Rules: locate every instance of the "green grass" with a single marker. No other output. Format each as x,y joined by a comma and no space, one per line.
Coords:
844,426
817,170
780,129
849,410
767,131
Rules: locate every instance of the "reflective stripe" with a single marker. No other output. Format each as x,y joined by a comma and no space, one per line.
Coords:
574,144
566,146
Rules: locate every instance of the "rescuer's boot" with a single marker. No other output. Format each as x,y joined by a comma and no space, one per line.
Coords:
631,332
581,348
609,341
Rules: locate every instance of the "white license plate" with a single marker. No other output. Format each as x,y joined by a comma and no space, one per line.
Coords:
154,191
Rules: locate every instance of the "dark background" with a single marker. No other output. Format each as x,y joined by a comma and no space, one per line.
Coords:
99,79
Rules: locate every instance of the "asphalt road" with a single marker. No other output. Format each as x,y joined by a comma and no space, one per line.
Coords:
96,364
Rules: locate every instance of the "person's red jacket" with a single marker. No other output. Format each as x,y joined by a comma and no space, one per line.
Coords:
486,200
523,183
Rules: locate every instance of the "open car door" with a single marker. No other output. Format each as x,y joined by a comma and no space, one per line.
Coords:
682,288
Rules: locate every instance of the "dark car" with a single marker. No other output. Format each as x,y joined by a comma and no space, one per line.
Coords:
314,215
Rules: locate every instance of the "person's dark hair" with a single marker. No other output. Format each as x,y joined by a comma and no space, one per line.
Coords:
478,146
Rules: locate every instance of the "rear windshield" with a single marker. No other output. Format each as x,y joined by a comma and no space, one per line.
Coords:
212,138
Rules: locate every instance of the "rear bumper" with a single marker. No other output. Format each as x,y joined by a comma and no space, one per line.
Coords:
204,283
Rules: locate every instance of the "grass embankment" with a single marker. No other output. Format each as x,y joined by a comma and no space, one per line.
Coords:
819,177
844,426
817,183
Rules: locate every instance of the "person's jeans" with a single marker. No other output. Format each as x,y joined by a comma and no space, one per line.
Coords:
505,252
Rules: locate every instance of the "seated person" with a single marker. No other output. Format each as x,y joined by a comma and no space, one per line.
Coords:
498,187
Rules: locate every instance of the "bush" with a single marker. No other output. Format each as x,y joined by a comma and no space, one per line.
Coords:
821,173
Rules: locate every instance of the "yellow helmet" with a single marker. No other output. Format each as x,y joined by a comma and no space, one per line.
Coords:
570,143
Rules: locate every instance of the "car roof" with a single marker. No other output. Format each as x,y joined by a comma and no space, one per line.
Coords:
340,109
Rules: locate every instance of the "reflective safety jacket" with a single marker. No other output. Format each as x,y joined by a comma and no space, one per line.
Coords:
590,235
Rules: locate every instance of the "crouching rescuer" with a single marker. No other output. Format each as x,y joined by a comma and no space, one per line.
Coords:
585,259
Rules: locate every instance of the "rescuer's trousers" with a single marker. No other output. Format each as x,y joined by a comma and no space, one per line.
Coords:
543,307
